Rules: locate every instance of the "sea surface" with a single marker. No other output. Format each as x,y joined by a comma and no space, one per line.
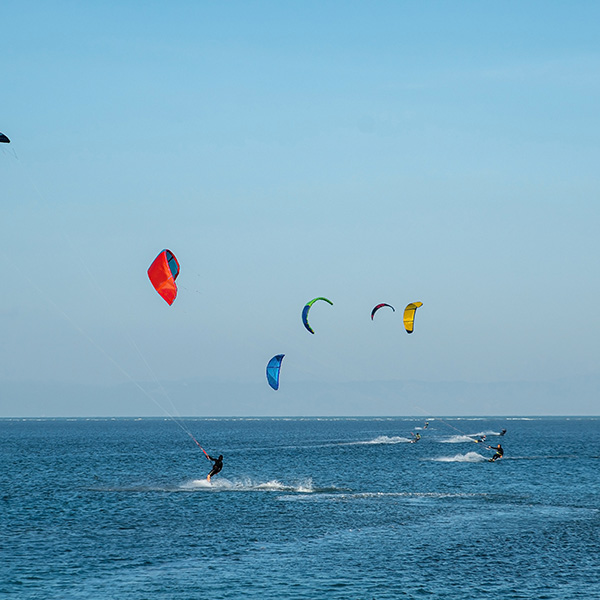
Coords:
331,508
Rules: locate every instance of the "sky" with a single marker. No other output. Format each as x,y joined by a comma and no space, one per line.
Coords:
442,152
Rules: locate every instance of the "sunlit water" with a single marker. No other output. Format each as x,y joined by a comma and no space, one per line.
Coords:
303,509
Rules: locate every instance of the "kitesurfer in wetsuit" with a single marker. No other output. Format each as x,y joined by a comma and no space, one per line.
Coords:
216,467
416,437
499,452
503,432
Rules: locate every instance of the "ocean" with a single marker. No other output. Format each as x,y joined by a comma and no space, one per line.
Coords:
323,508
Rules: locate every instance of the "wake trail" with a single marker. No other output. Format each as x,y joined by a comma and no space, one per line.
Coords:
382,439
469,457
250,485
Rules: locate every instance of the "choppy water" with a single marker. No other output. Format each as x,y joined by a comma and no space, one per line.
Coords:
303,509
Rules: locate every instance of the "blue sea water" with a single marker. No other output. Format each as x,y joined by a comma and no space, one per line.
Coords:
303,509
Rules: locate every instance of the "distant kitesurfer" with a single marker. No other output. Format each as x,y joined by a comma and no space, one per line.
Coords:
499,452
503,432
416,437
216,467
426,425
480,439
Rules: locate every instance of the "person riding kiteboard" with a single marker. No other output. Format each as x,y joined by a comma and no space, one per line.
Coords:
216,467
499,452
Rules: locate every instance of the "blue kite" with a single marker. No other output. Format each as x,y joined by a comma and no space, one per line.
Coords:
273,367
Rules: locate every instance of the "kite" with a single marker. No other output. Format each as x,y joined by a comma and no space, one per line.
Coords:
307,308
409,316
273,367
378,307
4,139
162,273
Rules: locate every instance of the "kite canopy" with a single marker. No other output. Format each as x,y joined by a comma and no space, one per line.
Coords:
273,368
409,316
4,139
307,308
162,273
378,307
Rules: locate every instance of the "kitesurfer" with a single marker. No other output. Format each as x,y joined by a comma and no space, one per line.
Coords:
499,452
426,425
216,467
502,432
416,437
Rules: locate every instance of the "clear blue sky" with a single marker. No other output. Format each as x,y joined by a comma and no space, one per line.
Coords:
445,152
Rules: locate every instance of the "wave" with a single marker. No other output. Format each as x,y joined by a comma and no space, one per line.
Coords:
471,457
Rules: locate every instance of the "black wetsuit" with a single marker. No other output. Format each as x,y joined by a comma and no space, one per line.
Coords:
503,432
499,453
217,466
